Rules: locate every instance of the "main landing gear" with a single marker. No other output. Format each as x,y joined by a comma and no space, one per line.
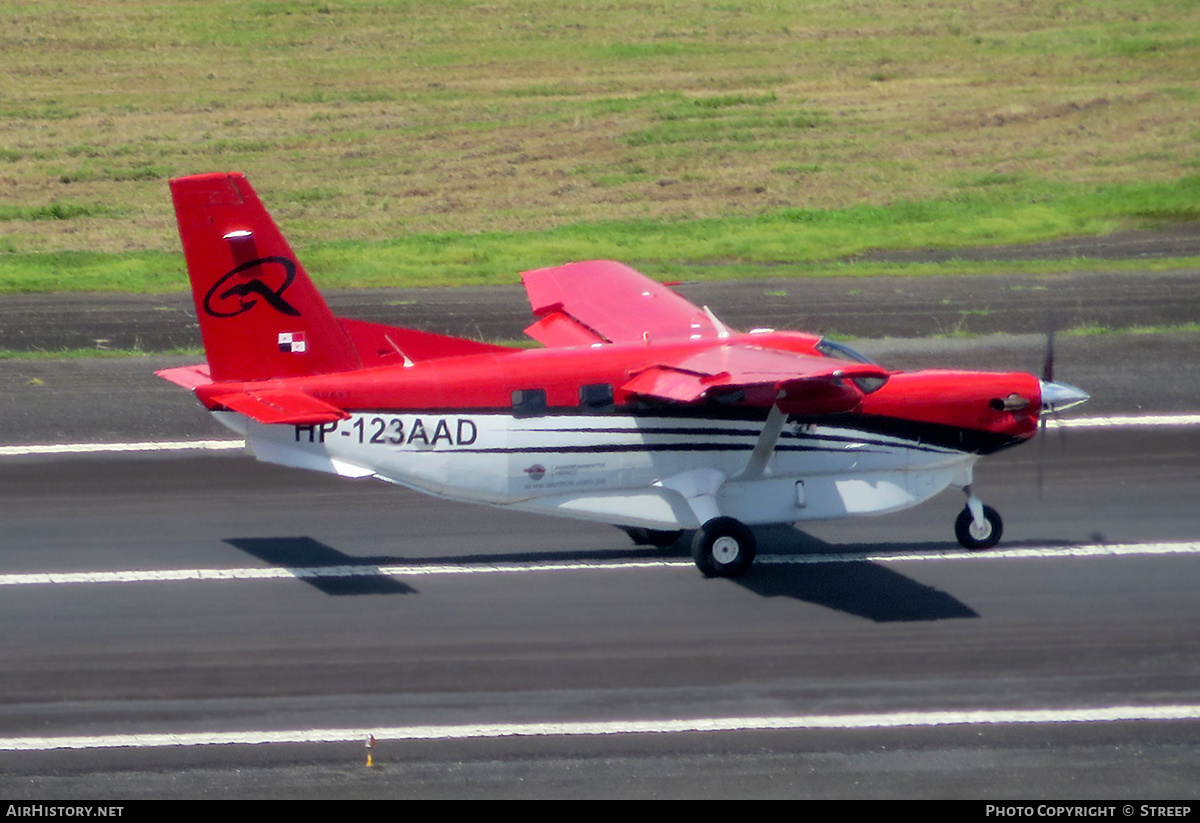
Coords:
723,547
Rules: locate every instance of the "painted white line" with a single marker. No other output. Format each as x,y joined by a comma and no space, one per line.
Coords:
1111,422
444,569
1015,553
1126,421
103,448
315,572
890,720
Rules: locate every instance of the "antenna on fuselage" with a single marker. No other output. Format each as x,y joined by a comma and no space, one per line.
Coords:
722,330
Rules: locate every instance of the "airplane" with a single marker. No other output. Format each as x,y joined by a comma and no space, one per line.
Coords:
641,410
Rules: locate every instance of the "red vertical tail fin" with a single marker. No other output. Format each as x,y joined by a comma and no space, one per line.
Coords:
260,315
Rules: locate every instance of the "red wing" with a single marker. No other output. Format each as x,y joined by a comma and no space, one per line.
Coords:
799,383
605,302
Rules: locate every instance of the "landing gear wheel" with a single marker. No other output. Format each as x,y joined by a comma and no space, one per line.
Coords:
977,538
723,547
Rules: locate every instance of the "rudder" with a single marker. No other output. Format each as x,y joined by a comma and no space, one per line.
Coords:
260,315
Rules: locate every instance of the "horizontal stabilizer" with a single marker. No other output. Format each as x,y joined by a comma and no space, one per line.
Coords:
187,376
280,406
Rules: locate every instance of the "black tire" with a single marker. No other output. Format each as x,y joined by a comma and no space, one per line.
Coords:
975,540
723,547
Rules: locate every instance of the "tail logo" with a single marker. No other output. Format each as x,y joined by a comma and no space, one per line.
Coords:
239,298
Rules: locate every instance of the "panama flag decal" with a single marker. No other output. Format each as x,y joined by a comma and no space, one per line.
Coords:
293,342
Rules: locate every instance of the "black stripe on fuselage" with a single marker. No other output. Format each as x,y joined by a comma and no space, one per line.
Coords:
916,434
644,447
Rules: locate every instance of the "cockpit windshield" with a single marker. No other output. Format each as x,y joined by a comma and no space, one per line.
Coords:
840,351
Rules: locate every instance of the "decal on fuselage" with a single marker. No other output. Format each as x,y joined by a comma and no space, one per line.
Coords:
567,476
393,430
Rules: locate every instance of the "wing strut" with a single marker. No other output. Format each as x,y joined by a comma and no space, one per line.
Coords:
765,447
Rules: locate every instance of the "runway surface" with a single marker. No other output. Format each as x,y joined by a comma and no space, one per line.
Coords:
529,625
195,596
167,617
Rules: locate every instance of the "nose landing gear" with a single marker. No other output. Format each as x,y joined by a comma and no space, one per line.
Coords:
978,527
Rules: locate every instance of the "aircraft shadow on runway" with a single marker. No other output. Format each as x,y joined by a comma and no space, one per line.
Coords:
861,588
301,553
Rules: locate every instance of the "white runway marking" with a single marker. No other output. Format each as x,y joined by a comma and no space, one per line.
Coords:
441,569
909,719
1125,421
1111,422
883,720
113,448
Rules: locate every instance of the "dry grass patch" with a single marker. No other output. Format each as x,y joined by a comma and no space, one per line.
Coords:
364,121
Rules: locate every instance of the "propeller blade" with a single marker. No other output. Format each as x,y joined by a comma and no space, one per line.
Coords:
1056,397
1041,464
1048,363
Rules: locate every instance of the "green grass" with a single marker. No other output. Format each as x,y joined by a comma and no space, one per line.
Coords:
56,211
1079,331
449,141
80,354
785,242
1094,331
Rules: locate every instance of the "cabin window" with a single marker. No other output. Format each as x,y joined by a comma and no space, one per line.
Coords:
597,396
529,401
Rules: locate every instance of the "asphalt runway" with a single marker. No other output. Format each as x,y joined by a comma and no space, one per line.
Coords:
869,307
430,632
862,307
585,628
497,654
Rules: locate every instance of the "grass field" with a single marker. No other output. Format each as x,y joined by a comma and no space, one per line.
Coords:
434,142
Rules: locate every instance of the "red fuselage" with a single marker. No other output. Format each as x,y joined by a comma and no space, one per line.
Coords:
989,410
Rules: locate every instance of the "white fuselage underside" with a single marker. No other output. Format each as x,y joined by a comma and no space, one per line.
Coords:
628,470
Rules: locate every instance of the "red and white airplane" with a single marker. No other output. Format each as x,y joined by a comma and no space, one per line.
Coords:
642,410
